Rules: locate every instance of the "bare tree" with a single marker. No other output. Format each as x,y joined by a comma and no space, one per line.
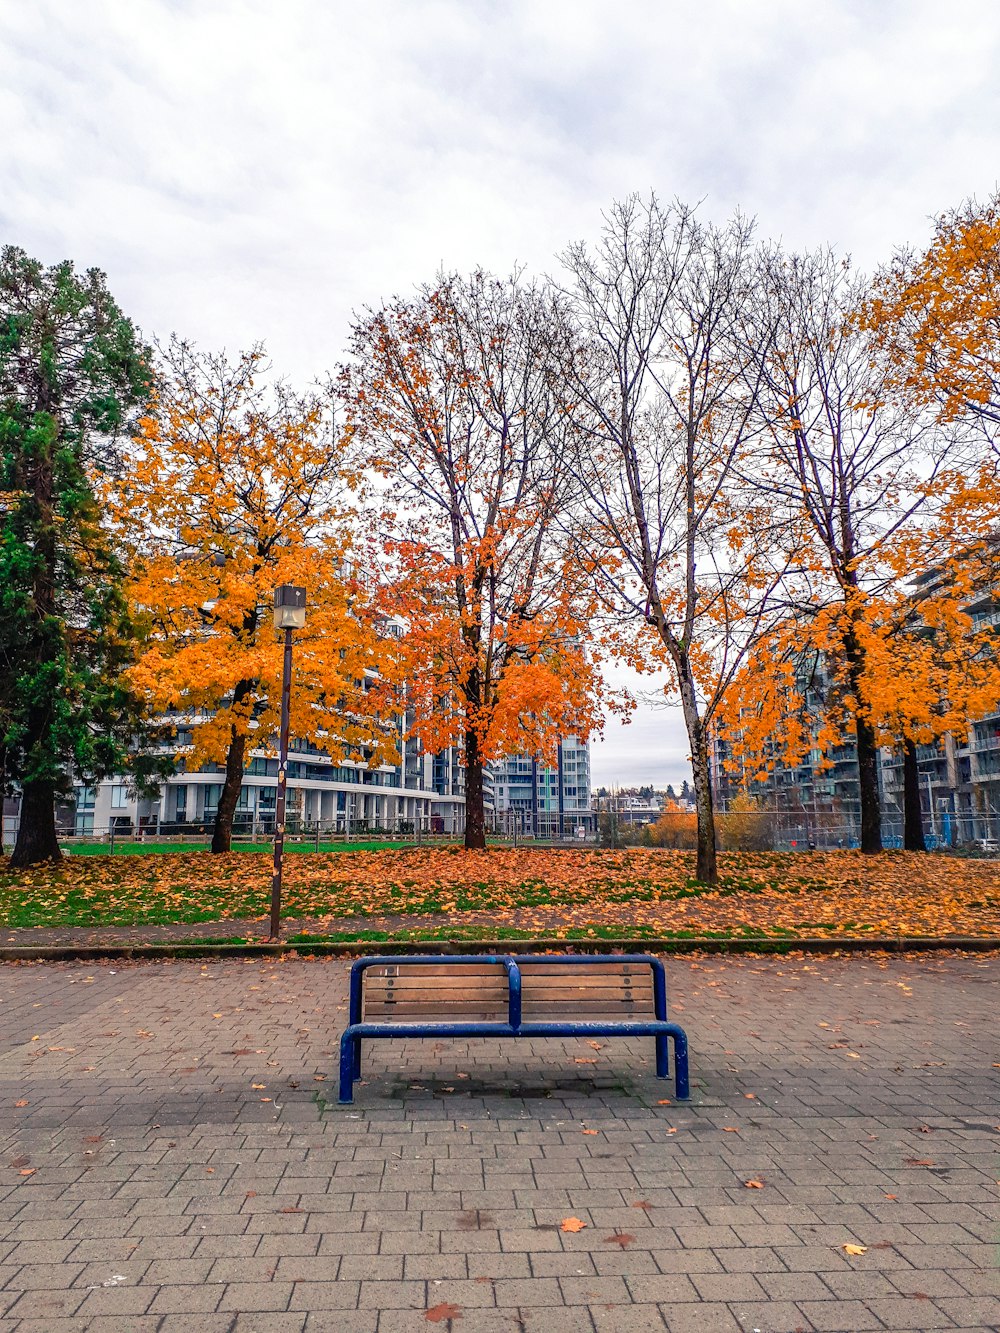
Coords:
685,559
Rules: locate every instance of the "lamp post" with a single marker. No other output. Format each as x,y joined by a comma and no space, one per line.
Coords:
289,614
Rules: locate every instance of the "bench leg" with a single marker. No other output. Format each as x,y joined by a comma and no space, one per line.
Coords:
350,1059
357,1057
683,1087
662,1065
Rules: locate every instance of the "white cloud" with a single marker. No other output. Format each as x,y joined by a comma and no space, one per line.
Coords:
250,169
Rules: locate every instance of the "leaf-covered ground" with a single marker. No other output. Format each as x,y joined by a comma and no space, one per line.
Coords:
537,891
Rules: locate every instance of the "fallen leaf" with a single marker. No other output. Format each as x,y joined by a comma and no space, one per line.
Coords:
265,1099
891,1196
27,1171
258,1086
621,1238
854,1249
571,1224
730,1129
588,1131
919,1161
664,1101
644,1204
753,1184
750,1096
584,1060
437,1314
22,1102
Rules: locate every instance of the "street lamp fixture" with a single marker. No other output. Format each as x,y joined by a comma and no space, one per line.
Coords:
289,614
289,607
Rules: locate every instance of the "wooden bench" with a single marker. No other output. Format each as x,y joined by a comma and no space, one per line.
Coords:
505,995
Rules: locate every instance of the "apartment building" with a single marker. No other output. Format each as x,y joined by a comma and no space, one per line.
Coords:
423,792
534,799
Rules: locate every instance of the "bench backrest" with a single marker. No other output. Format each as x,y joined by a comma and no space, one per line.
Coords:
551,990
599,988
435,992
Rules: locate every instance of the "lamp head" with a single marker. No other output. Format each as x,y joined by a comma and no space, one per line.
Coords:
289,607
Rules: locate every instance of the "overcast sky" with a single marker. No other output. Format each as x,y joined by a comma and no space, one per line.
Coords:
257,169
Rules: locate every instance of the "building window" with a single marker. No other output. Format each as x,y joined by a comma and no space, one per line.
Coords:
119,798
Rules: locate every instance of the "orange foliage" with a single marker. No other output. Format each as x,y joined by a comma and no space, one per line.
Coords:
233,489
927,670
452,403
675,828
939,314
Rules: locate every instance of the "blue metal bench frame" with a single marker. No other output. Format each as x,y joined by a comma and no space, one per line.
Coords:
657,1027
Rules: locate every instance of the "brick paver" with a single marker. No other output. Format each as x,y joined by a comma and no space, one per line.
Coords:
172,1158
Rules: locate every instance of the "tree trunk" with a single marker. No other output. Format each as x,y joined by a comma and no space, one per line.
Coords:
867,747
706,867
222,832
36,834
475,806
913,819
871,810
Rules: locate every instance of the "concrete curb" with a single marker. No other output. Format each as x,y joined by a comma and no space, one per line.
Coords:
357,948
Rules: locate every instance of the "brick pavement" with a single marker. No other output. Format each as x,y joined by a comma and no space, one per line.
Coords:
169,1158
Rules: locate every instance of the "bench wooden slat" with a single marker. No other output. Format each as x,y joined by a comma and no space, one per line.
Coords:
558,1013
451,1000
436,969
438,984
431,1014
584,969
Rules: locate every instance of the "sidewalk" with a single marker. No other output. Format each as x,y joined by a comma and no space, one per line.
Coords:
175,1161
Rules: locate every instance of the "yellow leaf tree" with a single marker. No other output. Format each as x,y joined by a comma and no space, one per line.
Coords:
234,486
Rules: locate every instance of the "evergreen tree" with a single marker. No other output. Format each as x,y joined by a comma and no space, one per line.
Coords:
671,794
72,369
685,791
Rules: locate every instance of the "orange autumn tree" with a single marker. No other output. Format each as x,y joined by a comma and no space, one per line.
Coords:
930,670
870,476
938,315
453,404
234,486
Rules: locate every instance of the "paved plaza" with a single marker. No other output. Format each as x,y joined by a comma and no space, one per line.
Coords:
172,1157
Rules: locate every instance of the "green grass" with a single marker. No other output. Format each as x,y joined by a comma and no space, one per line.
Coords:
123,848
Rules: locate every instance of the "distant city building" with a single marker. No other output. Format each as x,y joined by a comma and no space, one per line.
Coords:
545,802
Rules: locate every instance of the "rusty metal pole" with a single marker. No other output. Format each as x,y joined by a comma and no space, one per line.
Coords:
279,827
